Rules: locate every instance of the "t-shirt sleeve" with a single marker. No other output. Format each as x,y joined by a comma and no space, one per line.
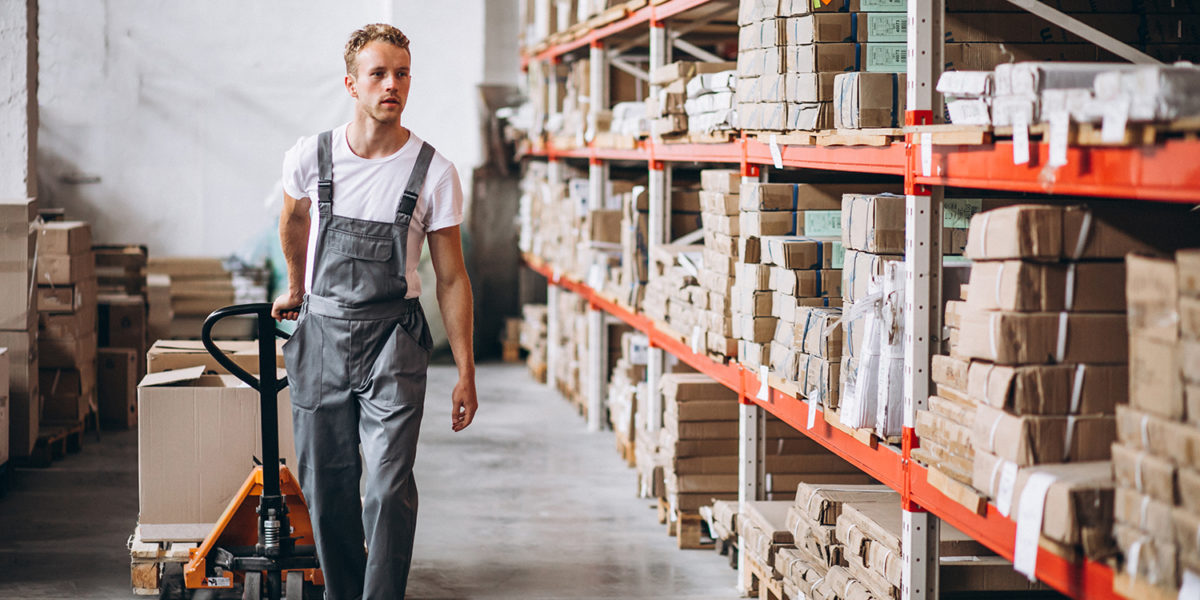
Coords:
295,177
446,204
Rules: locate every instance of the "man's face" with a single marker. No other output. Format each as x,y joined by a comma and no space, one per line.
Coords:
380,85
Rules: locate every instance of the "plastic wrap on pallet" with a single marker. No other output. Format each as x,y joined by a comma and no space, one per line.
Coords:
1152,92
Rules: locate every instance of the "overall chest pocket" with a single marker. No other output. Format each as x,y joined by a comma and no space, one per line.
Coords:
357,245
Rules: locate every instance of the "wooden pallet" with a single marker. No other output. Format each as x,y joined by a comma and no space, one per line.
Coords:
759,582
691,532
626,449
148,560
860,137
53,443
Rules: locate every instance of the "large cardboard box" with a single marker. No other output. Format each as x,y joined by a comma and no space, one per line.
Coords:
1032,440
197,440
865,100
65,238
1152,288
17,246
24,397
1048,389
796,252
166,355
1047,287
1043,338
804,196
116,386
66,269
858,270
873,223
1156,376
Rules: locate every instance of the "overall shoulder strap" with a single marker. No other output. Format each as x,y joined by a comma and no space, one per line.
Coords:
416,181
325,167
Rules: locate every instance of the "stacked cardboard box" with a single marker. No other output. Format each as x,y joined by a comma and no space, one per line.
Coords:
158,305
1156,508
533,339
674,289
626,387
19,321
681,86
789,54
121,269
764,531
711,105
198,287
1044,327
719,200
124,341
572,348
635,248
67,337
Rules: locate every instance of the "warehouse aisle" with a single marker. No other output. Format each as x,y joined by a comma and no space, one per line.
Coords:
524,504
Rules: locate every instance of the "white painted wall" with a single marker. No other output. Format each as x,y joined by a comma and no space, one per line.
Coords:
165,122
18,107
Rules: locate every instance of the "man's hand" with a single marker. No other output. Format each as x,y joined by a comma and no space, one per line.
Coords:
287,306
463,404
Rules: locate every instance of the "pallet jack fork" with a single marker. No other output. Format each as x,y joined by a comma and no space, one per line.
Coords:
263,542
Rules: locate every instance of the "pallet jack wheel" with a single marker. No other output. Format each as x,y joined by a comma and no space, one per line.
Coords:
252,588
294,587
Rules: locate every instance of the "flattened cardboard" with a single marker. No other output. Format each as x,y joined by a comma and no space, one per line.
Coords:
1153,293
1022,286
1156,376
1044,338
166,355
1048,389
1032,440
1145,473
950,372
796,252
195,423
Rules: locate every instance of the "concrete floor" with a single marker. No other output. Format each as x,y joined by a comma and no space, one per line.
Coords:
523,504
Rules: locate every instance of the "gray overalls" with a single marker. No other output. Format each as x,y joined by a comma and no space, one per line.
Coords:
356,365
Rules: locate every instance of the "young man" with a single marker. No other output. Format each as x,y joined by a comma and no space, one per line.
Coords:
358,358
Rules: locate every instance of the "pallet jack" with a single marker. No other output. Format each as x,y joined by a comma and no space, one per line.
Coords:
262,545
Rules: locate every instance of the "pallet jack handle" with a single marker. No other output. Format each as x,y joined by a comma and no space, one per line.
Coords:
267,382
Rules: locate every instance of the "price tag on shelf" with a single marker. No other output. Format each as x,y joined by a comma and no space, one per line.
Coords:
764,387
1116,117
776,152
1029,523
926,154
814,399
1060,129
1004,489
1020,140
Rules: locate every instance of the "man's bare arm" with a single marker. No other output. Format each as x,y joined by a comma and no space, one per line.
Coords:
294,223
457,305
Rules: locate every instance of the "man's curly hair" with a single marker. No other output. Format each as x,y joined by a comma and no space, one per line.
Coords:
375,32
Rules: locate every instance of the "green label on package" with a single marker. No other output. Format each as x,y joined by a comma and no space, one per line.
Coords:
887,27
839,256
883,6
885,57
957,212
823,223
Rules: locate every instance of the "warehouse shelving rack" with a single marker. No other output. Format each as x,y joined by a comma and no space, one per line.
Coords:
1167,171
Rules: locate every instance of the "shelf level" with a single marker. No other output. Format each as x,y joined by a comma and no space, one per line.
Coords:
652,13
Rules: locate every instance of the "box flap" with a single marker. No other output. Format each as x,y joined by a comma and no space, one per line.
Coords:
172,377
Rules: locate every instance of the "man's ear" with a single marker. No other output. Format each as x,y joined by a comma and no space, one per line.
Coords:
351,87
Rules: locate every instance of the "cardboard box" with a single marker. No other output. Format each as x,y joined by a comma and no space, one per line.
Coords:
64,238
1188,480
1043,338
682,387
604,226
765,223
725,181
819,58
1144,431
1146,473
796,252
807,87
759,330
116,386
858,270
1079,501
65,269
1023,286
807,283
17,248
803,196
950,372
195,423
64,299
1188,264
1152,288
823,27
24,394
1155,376
865,100
873,223
66,353
166,355
1048,389
1158,564
686,70
1074,232
816,334
1030,440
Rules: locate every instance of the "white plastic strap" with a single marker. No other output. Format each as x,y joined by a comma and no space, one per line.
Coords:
1007,487
1190,590
1077,388
1029,523
1145,509
1085,230
1139,481
995,485
999,281
1062,337
1069,301
983,236
1070,438
992,436
1146,432
1135,555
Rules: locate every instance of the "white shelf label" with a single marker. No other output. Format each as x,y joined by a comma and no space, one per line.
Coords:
1190,590
776,152
1116,117
1004,490
1029,523
764,388
1060,129
813,401
697,340
926,154
1020,141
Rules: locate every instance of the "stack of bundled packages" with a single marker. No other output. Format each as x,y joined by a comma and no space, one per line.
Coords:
1044,329
626,385
774,293
533,339
711,104
764,531
533,208
124,335
847,545
1155,460
198,287
19,324
648,460
572,347
598,254
699,447
667,108
790,52
635,248
67,338
719,201
158,306
674,296
628,124
722,518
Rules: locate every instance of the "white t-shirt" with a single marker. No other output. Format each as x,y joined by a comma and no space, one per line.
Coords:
370,189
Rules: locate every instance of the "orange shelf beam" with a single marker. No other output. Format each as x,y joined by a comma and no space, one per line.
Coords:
647,14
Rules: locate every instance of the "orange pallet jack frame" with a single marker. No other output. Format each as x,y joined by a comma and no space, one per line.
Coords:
263,542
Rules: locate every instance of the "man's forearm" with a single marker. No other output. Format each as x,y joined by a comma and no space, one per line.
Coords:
293,237
457,306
